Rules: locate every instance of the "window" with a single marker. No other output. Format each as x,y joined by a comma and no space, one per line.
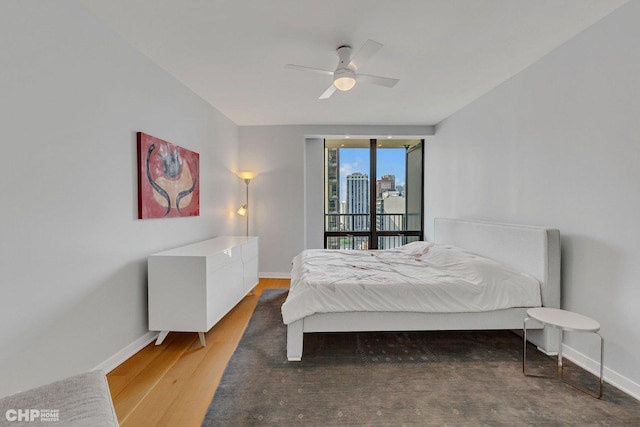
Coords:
382,212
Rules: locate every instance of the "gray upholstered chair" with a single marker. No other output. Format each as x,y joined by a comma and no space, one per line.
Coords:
82,400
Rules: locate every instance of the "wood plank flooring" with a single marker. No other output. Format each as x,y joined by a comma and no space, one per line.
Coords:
173,383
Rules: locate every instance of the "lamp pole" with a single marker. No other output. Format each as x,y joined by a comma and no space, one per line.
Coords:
247,181
247,176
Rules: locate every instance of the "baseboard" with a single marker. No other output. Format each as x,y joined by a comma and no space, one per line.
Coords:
610,376
275,275
117,359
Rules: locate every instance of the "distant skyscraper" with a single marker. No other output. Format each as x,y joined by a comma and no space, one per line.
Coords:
385,183
358,200
332,191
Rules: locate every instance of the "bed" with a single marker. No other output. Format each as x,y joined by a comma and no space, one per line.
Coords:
331,304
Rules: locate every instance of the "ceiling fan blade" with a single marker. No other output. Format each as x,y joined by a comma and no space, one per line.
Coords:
302,68
327,93
368,49
377,80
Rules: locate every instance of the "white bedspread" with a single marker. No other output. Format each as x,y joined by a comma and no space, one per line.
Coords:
418,277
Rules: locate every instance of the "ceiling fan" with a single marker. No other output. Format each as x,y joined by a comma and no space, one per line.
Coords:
345,75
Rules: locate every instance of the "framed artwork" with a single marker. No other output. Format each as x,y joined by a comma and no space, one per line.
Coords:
168,179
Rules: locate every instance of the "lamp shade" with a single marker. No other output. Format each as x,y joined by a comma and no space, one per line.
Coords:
242,211
246,174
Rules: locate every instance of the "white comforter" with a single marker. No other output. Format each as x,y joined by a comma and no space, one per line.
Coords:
418,277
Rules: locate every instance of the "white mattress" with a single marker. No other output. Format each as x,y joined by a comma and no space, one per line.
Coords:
418,277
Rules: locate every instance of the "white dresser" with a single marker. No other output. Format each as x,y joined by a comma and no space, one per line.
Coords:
192,287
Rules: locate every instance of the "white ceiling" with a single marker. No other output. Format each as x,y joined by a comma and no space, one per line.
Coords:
446,53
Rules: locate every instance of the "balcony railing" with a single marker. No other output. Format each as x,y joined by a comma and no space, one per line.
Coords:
362,242
362,222
347,242
353,231
347,222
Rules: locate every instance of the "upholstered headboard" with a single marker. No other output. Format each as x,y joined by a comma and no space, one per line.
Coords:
533,250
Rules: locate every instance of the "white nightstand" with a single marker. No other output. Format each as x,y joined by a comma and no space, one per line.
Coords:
565,321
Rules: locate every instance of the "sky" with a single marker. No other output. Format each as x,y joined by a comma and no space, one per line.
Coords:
391,161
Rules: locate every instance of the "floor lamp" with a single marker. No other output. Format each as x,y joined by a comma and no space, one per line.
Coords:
244,209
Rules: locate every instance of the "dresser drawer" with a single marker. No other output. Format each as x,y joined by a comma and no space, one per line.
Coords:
221,259
249,251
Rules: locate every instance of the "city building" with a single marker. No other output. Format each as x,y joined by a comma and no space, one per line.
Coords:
390,216
358,201
332,190
385,183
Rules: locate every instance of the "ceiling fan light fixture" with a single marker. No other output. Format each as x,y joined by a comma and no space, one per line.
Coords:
344,79
346,74
345,83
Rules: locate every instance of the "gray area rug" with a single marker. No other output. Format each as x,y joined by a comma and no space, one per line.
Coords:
394,379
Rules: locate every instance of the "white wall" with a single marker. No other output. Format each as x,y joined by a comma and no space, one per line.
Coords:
72,251
288,160
559,145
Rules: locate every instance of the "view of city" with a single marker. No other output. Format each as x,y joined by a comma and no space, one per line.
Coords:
349,202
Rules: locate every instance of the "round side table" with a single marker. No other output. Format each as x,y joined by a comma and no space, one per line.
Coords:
563,320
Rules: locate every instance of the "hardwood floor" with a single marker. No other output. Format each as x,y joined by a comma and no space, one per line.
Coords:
173,383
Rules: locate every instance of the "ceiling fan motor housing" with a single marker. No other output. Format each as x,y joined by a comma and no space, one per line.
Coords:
344,56
344,78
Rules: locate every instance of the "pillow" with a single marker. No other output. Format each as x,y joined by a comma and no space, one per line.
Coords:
416,248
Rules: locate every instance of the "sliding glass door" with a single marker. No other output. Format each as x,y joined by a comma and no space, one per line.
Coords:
373,193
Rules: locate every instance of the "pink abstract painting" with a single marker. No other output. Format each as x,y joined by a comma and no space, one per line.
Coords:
168,179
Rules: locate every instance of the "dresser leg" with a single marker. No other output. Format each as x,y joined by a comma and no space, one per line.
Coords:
161,336
201,335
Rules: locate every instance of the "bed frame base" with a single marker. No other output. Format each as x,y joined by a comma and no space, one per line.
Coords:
533,250
399,321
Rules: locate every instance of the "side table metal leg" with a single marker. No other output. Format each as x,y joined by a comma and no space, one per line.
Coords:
561,332
600,379
524,350
601,365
